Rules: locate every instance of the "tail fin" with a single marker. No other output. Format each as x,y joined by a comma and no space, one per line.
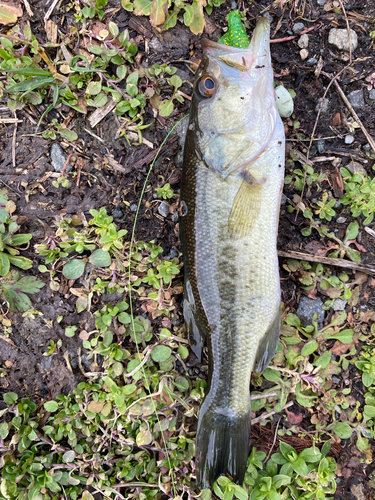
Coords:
222,446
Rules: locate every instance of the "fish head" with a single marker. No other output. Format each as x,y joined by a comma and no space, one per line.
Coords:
233,112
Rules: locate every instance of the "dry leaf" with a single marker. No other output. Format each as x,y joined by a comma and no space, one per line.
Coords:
9,13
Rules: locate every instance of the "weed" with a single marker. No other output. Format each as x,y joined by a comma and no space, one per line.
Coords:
359,195
165,192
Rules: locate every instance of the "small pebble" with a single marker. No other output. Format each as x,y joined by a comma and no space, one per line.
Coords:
311,61
325,106
283,199
355,167
335,380
321,146
341,220
117,213
356,99
349,139
339,304
340,38
304,53
303,41
58,158
133,207
371,94
298,27
366,147
163,209
307,308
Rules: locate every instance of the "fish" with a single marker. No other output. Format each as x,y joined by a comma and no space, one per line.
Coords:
231,187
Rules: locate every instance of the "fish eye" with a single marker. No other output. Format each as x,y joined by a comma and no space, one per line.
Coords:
206,86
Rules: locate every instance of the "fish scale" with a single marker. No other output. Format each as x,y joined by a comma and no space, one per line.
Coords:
231,186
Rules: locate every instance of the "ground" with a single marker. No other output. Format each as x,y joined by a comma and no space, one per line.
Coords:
113,172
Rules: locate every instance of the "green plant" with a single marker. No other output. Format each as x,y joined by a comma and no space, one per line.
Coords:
165,191
95,7
325,207
55,129
9,241
15,290
366,364
359,195
297,176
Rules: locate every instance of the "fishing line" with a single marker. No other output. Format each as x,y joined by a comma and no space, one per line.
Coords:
131,303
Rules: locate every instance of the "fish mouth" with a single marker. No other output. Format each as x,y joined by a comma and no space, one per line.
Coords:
259,46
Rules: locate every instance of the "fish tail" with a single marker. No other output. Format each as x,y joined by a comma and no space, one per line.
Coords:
222,446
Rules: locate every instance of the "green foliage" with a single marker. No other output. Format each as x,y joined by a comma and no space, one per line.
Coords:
165,192
359,195
80,86
16,291
366,364
9,240
297,176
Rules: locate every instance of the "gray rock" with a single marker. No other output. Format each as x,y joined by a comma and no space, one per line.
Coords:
356,168
303,41
356,99
156,45
366,147
58,158
283,199
298,27
163,209
172,254
311,61
133,207
371,94
349,139
307,308
117,213
321,146
336,380
339,304
340,38
325,106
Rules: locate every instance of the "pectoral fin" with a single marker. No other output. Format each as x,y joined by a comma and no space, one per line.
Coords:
268,345
246,207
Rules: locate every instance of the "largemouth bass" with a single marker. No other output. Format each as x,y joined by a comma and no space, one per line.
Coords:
230,197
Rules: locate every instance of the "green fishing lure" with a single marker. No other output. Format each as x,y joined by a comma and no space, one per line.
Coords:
236,35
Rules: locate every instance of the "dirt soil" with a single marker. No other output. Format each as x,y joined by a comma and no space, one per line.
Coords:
27,371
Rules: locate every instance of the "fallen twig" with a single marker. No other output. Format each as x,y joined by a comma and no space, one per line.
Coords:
286,39
355,116
330,261
266,415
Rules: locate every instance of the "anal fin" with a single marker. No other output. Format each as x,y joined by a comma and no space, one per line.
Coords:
268,345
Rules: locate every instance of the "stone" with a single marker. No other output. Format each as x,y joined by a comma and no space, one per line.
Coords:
325,106
303,41
321,2
311,61
321,146
307,308
58,158
339,304
156,45
340,39
133,207
366,147
298,27
304,53
283,199
349,139
163,209
336,380
356,168
356,99
371,94
117,213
